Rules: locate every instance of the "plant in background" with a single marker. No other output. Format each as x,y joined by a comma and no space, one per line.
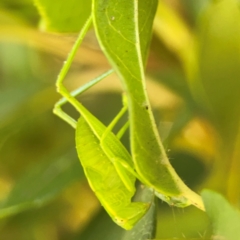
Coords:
209,66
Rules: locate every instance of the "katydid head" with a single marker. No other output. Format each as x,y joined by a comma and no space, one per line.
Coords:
131,215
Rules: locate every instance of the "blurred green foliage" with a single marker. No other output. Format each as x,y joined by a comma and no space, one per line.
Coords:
193,84
225,219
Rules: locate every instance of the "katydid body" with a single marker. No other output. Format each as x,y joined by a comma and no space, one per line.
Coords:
103,175
106,162
108,166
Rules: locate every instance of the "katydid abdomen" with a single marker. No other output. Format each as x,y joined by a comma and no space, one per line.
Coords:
104,180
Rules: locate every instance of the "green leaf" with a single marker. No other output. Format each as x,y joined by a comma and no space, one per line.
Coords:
124,31
225,219
41,183
63,16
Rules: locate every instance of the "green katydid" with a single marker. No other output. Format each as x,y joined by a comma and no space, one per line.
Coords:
106,162
113,156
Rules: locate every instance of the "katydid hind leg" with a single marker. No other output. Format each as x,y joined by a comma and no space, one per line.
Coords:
116,119
124,175
124,165
122,130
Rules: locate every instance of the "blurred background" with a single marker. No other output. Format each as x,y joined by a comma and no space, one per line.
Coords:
193,85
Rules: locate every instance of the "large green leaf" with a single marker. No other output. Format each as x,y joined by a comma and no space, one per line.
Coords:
41,183
224,218
63,16
124,31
